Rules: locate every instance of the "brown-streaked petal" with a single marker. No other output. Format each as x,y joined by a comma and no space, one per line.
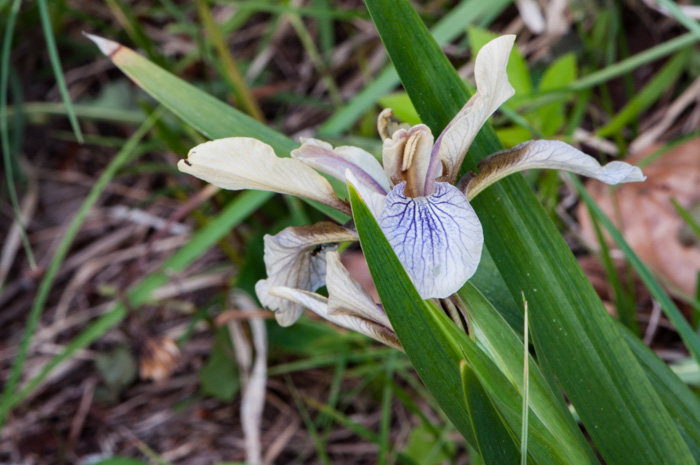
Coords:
323,157
296,258
416,161
549,154
392,156
245,163
319,305
346,296
493,89
387,124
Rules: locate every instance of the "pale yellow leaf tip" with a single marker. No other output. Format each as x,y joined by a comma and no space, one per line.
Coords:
106,46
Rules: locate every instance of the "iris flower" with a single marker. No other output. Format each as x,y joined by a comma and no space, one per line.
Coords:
414,194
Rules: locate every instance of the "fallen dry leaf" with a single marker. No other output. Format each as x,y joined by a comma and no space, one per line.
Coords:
650,223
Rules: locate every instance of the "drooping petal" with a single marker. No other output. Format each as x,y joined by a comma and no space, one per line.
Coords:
493,89
549,154
245,163
346,296
374,201
324,158
296,258
438,239
319,305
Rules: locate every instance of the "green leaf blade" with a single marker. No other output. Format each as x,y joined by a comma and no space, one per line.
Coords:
571,329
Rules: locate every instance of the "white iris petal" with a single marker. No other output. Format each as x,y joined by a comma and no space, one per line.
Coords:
293,258
438,238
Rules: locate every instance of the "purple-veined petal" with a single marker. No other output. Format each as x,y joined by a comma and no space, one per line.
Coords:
493,89
296,257
324,158
438,238
346,296
319,305
374,201
245,163
549,154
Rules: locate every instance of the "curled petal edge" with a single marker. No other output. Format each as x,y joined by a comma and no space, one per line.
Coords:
493,89
319,305
549,154
295,257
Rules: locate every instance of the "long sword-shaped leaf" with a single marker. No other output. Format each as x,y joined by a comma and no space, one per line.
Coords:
572,334
505,348
494,439
435,346
208,115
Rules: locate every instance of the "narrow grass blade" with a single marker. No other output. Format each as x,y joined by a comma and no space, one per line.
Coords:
126,18
5,133
526,390
451,26
629,64
687,217
232,215
494,440
47,282
208,115
689,337
571,322
676,12
56,65
659,84
232,75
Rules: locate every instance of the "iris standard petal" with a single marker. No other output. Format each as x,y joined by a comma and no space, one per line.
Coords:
438,238
324,158
387,124
416,161
493,89
319,305
346,296
296,257
246,163
549,154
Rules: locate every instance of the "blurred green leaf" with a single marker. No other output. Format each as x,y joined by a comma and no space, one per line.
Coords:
447,29
120,461
518,72
560,74
422,448
646,97
403,108
219,376
117,368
